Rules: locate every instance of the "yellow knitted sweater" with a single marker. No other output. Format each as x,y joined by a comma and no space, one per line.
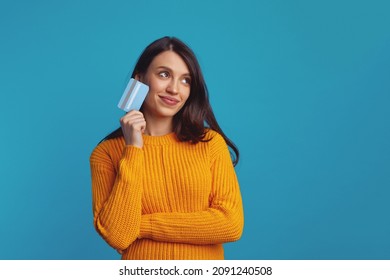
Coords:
167,200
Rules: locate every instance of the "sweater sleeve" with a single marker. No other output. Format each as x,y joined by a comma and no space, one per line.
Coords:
222,222
117,195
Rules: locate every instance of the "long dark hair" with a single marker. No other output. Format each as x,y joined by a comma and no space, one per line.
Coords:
190,123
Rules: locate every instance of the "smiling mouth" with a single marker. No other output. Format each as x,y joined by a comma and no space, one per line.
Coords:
169,100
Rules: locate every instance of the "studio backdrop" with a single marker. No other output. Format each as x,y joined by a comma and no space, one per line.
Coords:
302,87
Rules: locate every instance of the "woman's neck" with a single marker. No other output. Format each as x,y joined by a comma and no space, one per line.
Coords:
156,126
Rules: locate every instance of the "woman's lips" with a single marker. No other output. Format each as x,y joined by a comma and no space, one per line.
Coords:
169,100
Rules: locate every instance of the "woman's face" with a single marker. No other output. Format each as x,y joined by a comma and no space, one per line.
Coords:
169,84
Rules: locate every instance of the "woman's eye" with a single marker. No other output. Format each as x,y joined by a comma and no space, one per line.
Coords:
186,81
164,74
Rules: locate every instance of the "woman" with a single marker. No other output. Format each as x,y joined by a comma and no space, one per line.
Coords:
163,184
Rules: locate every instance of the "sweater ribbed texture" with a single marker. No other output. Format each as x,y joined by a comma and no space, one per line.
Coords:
167,200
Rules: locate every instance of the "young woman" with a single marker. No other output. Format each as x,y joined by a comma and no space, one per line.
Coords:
163,184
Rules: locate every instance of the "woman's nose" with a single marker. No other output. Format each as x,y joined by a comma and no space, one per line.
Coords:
173,87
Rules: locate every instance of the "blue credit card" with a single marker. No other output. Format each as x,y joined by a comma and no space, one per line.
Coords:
133,96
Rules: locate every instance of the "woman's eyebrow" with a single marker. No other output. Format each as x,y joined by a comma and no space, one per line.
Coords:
171,70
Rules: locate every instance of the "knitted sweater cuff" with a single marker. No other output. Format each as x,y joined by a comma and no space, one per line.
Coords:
146,227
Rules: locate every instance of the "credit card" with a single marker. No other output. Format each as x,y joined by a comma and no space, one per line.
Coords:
133,96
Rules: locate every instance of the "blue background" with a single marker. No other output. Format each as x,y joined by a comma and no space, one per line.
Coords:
302,87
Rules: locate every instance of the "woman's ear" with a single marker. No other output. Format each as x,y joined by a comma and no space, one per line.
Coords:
137,77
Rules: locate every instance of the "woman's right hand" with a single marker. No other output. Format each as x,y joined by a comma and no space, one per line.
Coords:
133,125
